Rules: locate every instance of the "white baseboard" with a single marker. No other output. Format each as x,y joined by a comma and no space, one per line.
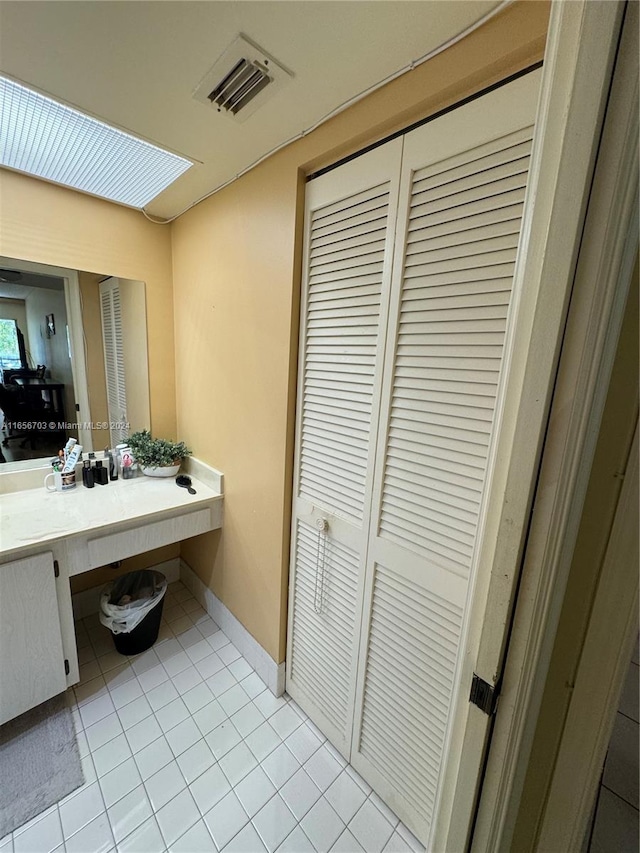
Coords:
269,671
87,602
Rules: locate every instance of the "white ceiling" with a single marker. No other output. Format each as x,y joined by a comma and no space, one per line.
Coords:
26,284
135,64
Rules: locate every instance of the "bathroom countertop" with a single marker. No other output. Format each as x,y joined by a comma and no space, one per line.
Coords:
39,517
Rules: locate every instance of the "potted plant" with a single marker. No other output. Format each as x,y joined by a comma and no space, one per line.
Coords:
157,457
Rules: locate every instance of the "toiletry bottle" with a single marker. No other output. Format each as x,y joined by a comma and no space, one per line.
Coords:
127,463
100,474
75,455
113,468
68,448
87,474
118,455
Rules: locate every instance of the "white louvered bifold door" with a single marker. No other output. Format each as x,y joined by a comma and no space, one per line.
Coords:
348,253
461,201
112,341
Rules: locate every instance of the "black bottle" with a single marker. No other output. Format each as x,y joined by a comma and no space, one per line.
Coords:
100,474
113,468
87,474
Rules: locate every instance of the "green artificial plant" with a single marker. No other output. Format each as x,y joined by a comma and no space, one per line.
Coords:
152,452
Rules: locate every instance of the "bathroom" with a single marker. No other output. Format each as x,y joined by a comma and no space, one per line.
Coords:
222,285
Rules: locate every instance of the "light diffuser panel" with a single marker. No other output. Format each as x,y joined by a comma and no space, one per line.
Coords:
50,140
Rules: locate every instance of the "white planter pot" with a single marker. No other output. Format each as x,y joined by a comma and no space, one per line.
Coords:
166,471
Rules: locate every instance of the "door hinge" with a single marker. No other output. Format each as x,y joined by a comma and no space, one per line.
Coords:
484,695
77,407
66,667
56,569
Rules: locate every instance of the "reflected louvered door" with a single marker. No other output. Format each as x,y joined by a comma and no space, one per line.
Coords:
111,314
461,200
349,220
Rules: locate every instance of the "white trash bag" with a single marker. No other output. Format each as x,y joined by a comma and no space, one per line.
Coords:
126,601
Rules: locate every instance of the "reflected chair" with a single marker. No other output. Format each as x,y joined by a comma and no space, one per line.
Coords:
17,408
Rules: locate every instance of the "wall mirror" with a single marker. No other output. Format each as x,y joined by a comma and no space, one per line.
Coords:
73,361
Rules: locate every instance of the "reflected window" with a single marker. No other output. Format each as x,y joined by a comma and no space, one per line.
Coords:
9,347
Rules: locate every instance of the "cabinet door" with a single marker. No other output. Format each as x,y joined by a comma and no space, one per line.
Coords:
348,255
31,657
461,199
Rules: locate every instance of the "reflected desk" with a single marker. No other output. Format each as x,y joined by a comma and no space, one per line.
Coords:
36,410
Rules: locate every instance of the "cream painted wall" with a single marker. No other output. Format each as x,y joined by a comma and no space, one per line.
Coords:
51,225
236,267
51,351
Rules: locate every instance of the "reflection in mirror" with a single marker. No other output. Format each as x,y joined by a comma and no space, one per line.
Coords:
114,313
73,361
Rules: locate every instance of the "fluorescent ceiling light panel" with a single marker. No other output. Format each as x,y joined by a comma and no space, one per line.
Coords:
52,141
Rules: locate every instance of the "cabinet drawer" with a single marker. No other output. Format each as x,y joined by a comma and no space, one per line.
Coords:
117,546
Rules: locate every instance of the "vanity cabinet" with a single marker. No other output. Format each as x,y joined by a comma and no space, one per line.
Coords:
48,537
32,660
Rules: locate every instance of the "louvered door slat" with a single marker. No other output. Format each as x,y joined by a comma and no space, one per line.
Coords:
503,149
464,443
455,265
459,224
436,240
482,197
337,443
352,225
423,277
477,174
438,385
469,466
421,251
348,434
341,210
336,248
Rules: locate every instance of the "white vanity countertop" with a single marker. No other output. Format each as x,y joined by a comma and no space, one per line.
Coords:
38,517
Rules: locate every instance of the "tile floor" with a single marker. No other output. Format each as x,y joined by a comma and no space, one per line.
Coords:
185,750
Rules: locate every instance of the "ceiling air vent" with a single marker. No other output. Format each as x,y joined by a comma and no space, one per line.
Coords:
243,78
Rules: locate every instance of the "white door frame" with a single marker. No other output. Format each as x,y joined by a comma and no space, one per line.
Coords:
73,307
602,279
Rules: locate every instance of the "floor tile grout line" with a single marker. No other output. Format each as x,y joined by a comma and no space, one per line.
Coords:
297,826
189,830
105,811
